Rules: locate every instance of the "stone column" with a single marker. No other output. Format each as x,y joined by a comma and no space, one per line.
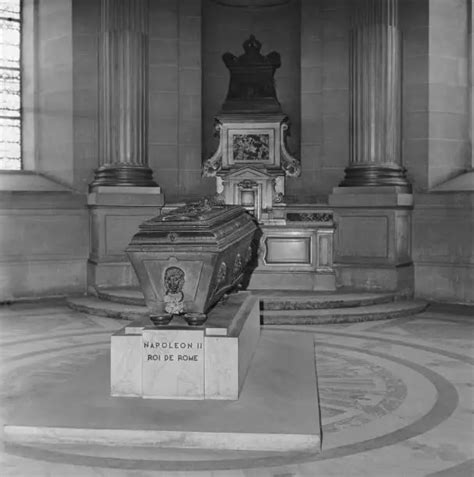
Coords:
372,207
123,193
375,92
123,95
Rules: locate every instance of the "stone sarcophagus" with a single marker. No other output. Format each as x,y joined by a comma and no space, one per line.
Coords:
187,259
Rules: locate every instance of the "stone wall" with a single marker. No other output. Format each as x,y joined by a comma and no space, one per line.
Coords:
414,21
311,101
44,225
54,90
324,97
175,98
436,131
44,239
436,105
449,90
65,90
443,246
85,27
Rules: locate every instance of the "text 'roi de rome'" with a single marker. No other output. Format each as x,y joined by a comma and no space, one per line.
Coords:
172,357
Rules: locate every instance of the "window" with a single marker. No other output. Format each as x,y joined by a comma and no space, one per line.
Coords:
10,85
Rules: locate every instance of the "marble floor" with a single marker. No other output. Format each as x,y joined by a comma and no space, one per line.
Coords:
396,399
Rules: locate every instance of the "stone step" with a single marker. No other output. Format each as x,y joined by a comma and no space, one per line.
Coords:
95,306
381,311
270,300
316,300
124,295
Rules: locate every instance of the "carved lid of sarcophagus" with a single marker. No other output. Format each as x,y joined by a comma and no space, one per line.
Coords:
202,224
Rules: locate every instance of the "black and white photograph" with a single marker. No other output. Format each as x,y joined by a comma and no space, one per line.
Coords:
236,238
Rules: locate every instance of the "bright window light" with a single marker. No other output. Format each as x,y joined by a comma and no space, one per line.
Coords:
10,84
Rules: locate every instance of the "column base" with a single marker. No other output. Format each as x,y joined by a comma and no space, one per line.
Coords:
371,196
123,175
375,175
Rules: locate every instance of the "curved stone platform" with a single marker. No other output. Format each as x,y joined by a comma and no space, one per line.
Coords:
278,306
123,295
271,299
383,311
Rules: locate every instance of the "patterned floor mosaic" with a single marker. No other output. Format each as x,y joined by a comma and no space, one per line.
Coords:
396,399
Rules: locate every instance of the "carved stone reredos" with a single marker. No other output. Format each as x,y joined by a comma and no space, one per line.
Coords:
252,162
252,85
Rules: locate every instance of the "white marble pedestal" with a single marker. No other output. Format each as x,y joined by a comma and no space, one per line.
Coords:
183,362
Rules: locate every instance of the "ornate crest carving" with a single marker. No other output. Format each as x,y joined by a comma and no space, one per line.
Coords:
247,184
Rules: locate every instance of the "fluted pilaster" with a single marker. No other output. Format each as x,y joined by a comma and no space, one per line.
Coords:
123,94
375,92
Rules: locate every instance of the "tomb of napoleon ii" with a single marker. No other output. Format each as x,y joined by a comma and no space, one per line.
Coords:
186,261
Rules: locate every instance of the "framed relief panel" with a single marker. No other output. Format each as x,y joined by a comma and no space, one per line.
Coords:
251,146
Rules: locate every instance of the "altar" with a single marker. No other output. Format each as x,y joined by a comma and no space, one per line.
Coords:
251,166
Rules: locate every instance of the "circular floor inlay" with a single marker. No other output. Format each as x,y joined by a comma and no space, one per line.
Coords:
355,386
354,391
